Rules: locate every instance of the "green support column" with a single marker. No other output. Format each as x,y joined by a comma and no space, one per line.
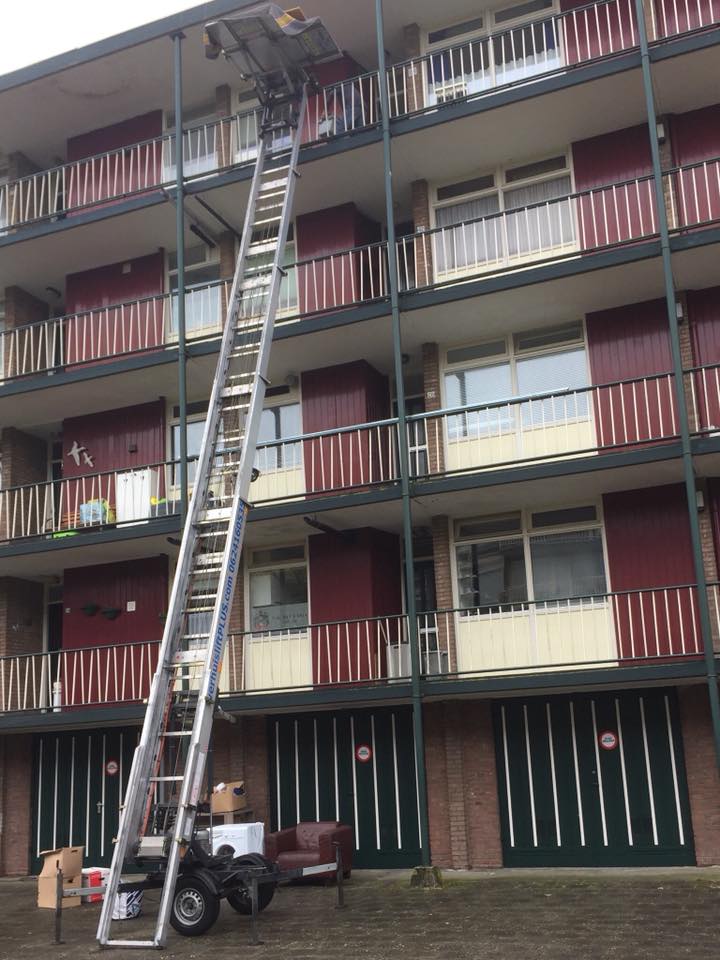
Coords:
402,445
688,469
180,243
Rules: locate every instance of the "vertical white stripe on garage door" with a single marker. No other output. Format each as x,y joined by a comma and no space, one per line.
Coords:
297,775
601,793
396,782
354,779
531,786
277,775
335,770
507,776
72,792
552,770
578,792
375,788
102,796
39,798
55,792
676,790
87,796
651,791
317,784
624,773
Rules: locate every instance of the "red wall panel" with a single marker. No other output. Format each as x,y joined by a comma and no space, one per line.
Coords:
648,544
345,395
625,343
113,674
704,318
713,488
607,216
593,32
695,137
108,436
113,332
325,284
673,17
355,578
134,170
337,108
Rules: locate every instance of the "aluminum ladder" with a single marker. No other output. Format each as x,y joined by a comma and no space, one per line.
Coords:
167,777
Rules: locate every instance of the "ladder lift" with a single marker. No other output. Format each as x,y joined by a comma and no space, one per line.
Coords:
157,832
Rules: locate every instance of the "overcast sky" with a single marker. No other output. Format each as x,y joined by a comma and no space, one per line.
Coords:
37,29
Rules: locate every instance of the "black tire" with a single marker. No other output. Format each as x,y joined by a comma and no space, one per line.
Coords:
239,899
195,906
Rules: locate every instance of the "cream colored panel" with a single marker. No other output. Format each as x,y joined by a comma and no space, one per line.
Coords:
278,484
539,441
274,662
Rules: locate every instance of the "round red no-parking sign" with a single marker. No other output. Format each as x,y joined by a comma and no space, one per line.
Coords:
608,739
363,752
111,768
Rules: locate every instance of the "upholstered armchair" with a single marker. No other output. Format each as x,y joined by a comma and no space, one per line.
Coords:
309,844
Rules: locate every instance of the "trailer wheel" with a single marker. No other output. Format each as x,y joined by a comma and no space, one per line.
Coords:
240,900
195,906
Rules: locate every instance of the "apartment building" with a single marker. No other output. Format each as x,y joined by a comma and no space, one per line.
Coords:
479,616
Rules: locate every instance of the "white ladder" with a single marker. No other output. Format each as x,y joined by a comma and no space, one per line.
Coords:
166,780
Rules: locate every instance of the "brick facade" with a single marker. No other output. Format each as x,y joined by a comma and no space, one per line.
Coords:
21,616
443,588
21,309
702,774
432,393
240,753
223,108
420,198
15,810
462,785
24,458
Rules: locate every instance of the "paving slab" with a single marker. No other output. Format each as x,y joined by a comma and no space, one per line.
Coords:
488,915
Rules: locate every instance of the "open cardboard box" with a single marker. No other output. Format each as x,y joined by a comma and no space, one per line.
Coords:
231,799
69,859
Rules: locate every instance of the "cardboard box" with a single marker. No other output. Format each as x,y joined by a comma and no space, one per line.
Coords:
231,799
70,861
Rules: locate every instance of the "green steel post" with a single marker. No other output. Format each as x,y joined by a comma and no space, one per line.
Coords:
419,737
180,242
688,469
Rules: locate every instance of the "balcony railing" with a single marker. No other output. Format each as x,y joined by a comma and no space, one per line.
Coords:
571,422
693,194
512,56
673,17
59,509
624,628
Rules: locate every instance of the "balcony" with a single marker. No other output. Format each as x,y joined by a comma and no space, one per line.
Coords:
610,631
494,61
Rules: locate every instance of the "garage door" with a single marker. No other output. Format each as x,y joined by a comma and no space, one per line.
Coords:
357,767
592,780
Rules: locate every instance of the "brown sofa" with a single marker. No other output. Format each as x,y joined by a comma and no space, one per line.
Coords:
309,844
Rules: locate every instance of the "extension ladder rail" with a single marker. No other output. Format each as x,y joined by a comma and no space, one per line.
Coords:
166,779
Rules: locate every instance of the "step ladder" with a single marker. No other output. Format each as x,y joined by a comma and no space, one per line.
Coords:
167,779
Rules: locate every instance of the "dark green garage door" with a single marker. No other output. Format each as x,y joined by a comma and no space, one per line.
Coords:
79,779
592,780
357,767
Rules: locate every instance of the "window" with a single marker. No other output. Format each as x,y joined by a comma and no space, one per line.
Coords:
200,147
500,47
506,560
278,423
524,365
514,213
2,334
203,292
197,414
278,589
262,253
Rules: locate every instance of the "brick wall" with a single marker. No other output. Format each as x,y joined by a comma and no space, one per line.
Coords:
24,458
15,811
433,401
420,198
21,616
240,753
702,774
443,587
21,309
223,108
462,785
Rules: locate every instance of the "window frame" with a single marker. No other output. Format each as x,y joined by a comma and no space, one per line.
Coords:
249,568
526,532
291,398
212,258
488,29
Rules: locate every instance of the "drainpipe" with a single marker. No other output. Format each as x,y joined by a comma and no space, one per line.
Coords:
419,738
180,243
688,469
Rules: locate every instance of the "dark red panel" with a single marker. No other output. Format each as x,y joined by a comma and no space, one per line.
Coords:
108,437
624,344
339,106
113,332
135,169
695,137
713,488
614,216
648,544
354,578
597,31
704,318
349,394
113,674
673,17
327,283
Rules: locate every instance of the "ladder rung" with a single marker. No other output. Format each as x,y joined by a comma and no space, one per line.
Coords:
176,733
178,778
237,391
190,656
132,943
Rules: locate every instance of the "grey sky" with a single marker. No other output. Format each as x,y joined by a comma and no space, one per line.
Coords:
36,30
